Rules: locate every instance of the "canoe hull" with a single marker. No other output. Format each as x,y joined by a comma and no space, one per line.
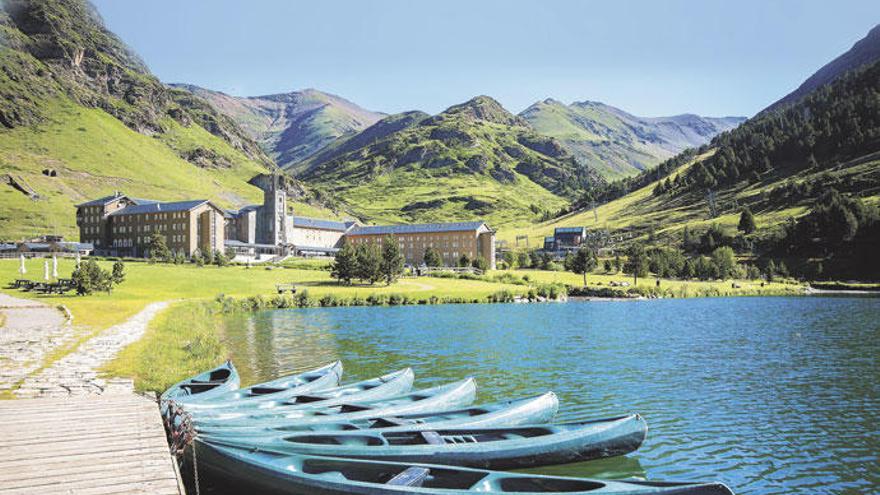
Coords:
204,386
251,397
488,448
460,395
304,475
386,387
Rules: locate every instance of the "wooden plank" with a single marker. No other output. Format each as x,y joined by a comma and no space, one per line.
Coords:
85,446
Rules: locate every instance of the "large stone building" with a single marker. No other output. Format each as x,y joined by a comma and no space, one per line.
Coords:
450,240
119,225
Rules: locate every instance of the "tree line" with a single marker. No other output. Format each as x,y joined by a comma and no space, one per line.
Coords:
368,262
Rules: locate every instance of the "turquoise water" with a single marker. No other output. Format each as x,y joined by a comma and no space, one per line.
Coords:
768,395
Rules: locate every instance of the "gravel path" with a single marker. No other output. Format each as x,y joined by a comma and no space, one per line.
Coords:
33,330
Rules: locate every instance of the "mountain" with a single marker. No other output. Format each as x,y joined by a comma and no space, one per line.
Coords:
82,116
474,160
864,51
616,143
293,126
809,171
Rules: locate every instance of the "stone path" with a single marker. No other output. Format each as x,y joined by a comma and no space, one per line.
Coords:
76,373
31,331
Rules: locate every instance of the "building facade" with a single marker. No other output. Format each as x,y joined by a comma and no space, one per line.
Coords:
121,226
316,236
450,240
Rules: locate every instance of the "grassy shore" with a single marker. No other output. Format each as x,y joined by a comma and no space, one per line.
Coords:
182,341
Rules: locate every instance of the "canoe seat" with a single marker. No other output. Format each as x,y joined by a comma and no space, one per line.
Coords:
414,476
388,422
307,399
350,408
432,437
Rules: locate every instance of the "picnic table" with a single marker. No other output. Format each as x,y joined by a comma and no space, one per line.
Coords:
20,282
56,288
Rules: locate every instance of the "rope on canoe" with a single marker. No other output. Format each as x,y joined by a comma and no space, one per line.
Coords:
182,432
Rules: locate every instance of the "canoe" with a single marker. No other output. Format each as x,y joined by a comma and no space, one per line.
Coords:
322,378
308,475
217,381
538,409
517,447
374,389
444,397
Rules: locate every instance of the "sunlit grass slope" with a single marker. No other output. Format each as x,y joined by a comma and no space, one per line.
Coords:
94,154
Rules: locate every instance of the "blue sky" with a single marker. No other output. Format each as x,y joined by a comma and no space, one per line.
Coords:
711,57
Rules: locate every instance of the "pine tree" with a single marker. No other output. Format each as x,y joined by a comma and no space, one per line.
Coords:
636,261
747,221
369,262
344,265
158,248
582,262
392,260
432,257
118,275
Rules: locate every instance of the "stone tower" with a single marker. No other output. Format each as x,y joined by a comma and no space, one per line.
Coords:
272,222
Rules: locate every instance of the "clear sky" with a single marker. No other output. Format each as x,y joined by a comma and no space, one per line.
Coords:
711,57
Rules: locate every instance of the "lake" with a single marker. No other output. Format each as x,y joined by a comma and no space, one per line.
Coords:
768,395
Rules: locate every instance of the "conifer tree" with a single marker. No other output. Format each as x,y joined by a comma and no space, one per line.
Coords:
344,265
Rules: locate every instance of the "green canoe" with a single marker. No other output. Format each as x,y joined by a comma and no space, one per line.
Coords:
280,389
375,389
491,448
308,475
203,386
444,397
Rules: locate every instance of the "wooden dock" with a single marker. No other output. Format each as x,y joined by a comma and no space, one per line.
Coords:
101,445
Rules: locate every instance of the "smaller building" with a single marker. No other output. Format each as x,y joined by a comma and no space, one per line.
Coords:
569,237
314,236
450,240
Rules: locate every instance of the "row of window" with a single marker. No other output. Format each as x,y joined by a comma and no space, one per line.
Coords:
129,242
153,216
128,229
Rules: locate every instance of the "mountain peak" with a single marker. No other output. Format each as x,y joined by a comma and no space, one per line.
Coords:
484,108
864,51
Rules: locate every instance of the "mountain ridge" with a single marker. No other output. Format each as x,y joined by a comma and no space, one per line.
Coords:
474,159
291,126
617,143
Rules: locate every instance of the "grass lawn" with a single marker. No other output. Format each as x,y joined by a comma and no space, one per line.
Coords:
146,283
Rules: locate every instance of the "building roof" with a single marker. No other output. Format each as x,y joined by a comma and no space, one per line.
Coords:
101,201
569,230
317,223
415,228
159,207
549,238
106,199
